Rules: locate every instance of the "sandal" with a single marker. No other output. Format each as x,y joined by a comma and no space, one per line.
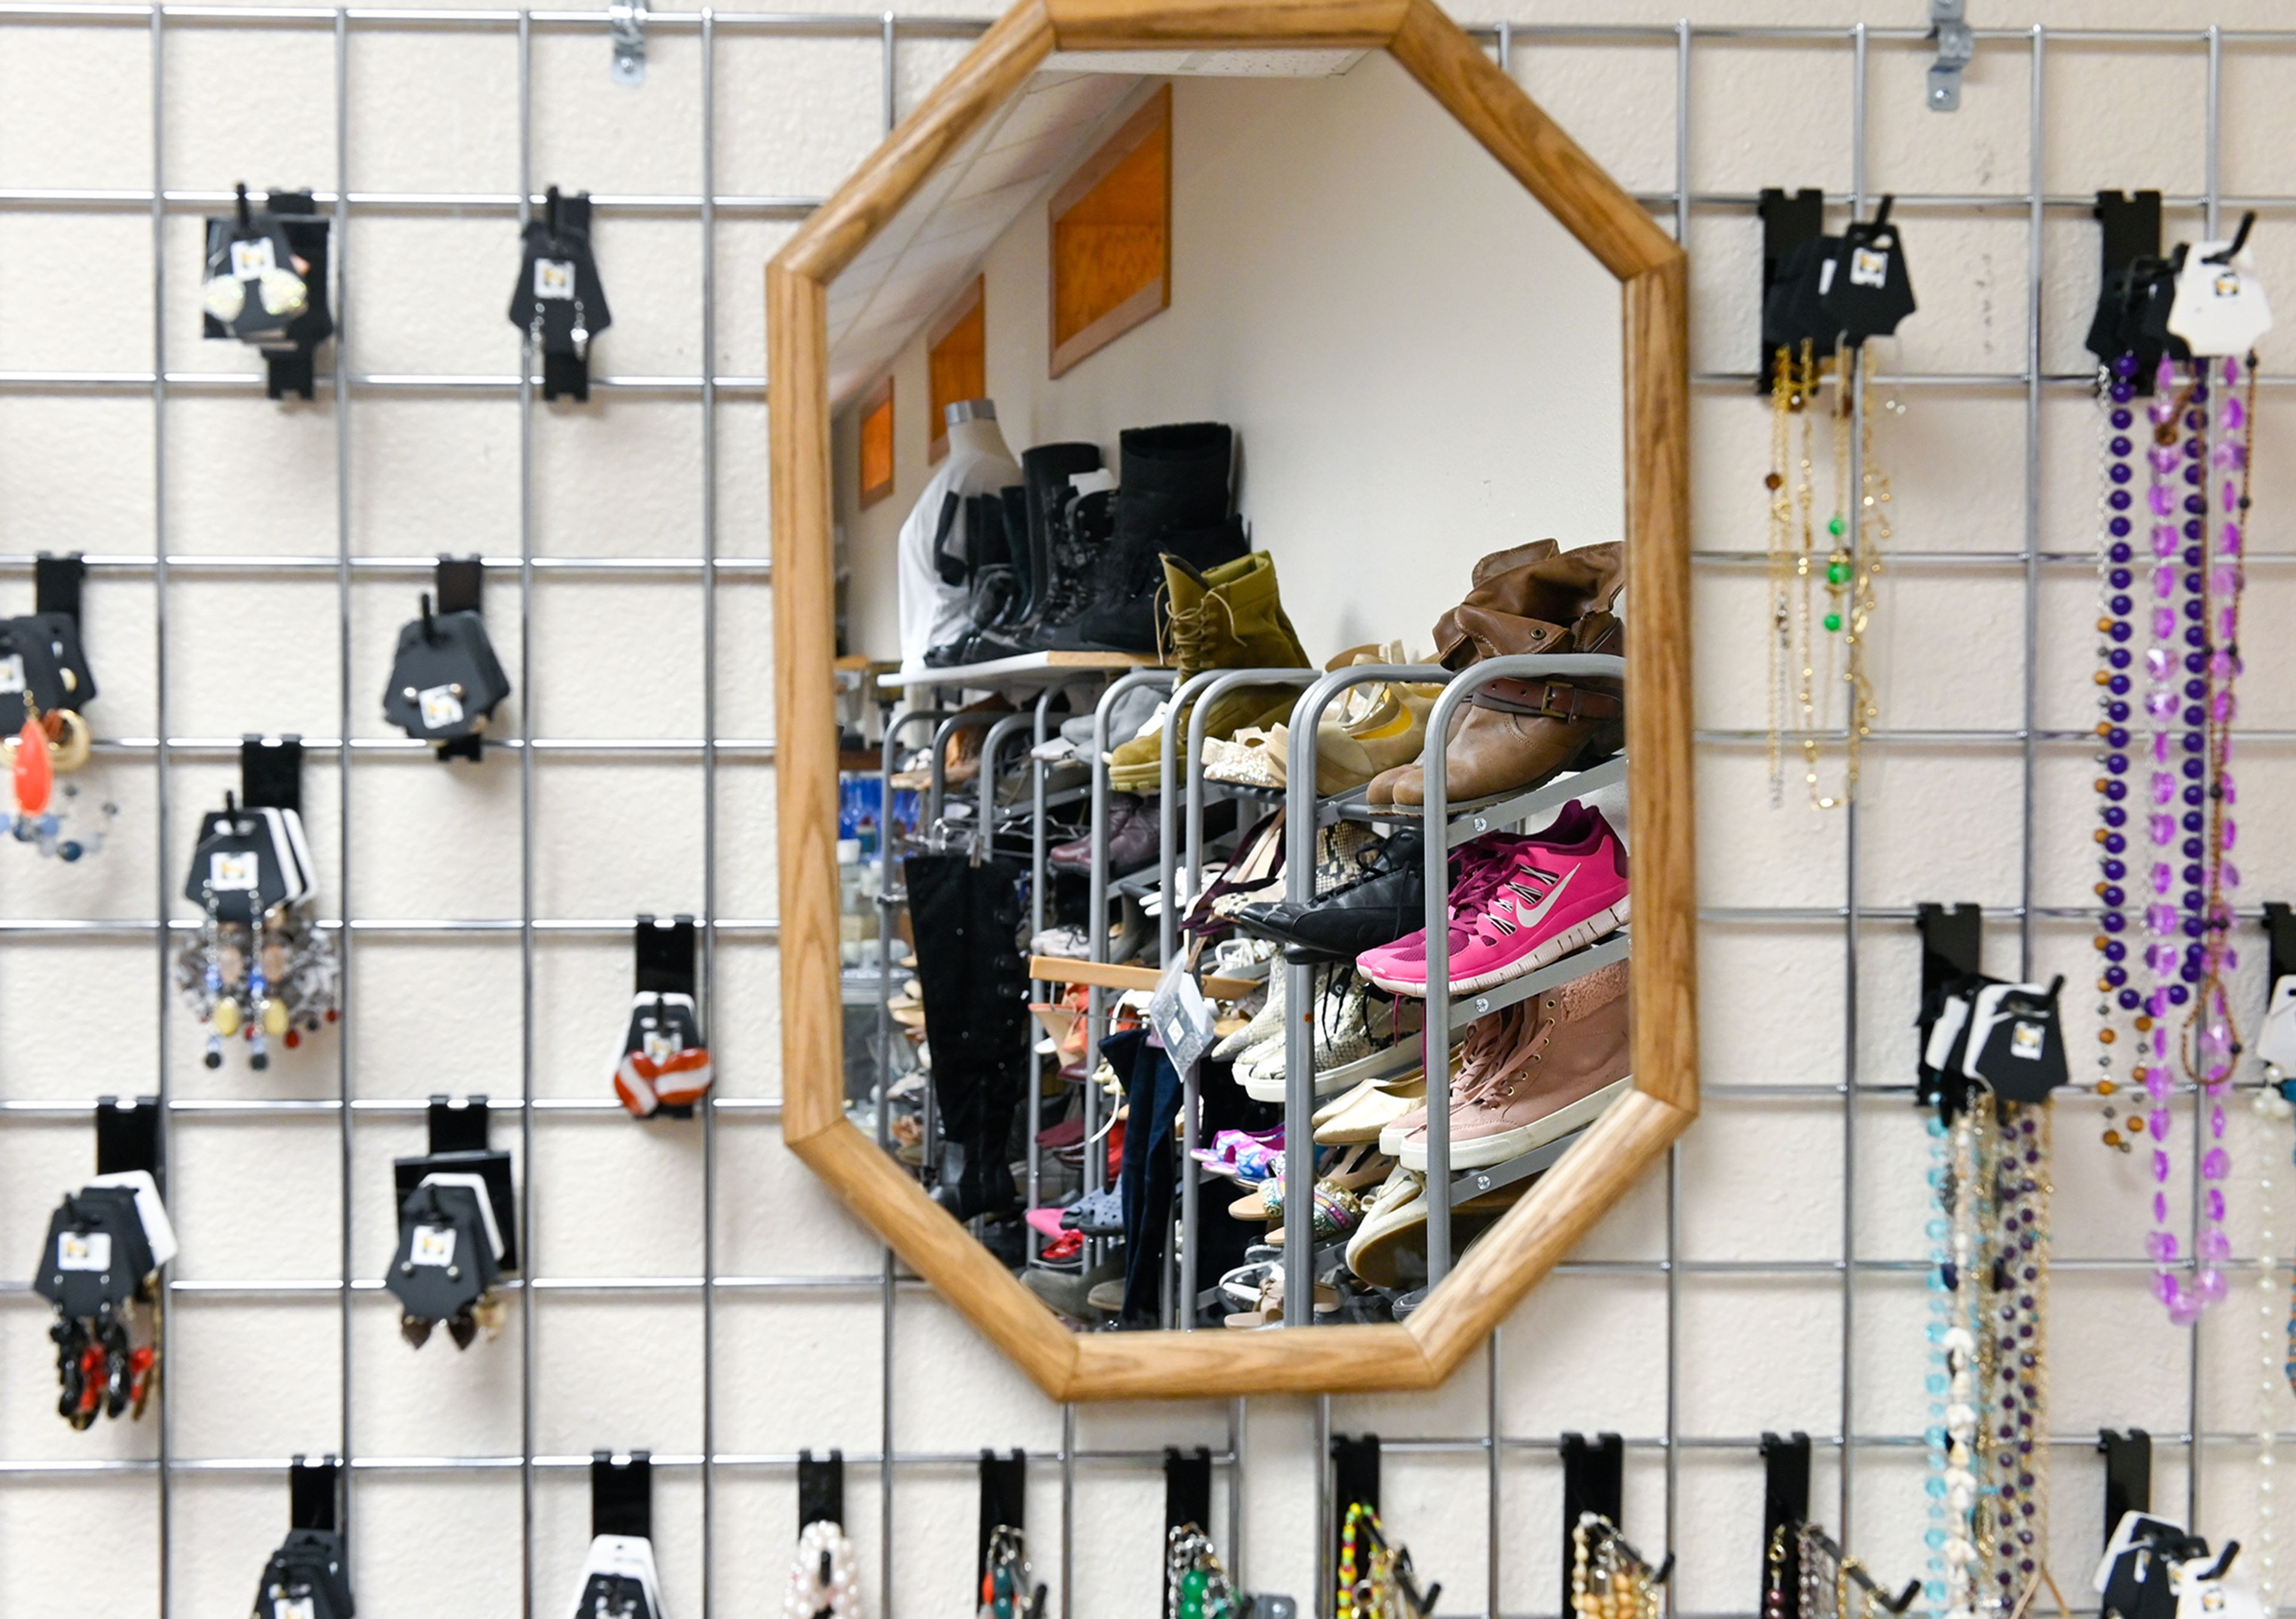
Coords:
1219,1158
1267,1309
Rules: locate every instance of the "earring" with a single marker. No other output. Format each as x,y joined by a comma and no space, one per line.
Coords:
224,297
258,992
283,292
222,1016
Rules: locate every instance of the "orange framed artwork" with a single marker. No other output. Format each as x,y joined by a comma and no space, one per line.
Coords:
876,457
1112,237
956,360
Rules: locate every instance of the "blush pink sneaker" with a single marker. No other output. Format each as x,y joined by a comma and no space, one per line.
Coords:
1518,905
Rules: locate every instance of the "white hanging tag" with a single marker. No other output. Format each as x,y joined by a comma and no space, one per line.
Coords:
2220,309
2275,1042
554,278
476,1186
2201,1598
251,255
159,1230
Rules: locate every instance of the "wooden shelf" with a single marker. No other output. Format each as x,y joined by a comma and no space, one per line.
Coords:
1065,969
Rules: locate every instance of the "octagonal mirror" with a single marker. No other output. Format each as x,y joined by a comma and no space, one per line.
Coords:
1229,493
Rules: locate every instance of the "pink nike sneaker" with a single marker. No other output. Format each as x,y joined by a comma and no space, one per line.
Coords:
1517,904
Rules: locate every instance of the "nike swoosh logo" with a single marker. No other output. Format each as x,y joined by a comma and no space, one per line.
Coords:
1537,912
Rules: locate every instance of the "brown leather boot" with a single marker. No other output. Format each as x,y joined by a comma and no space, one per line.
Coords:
1515,733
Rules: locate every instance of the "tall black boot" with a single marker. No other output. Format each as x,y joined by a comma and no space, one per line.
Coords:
1010,632
1175,498
1172,479
1053,567
974,986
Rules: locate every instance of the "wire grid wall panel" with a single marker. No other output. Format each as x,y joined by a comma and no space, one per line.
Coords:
691,1289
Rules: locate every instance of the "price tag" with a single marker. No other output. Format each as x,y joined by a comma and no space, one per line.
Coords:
1181,1016
2220,308
440,707
293,1608
251,257
234,873
554,278
433,1244
84,1251
11,673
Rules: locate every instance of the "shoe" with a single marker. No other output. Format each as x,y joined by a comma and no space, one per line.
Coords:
1256,860
1268,1308
1526,902
1066,942
1070,1292
1384,902
1360,1115
1172,499
1337,1213
1489,1044
1568,1056
1107,1297
1231,1147
1134,840
1515,733
1226,617
1390,1249
1099,1213
1060,579
1252,757
1374,728
1346,853
1018,787
1354,1034
1266,1023
1349,1171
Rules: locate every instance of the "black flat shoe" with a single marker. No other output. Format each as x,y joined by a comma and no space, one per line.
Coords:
1378,909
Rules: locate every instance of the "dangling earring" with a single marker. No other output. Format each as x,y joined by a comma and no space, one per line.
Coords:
258,991
223,1016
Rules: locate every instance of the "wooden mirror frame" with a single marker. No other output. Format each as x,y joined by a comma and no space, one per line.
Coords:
1494,1275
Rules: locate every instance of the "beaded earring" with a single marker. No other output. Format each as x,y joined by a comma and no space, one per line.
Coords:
824,1583
1195,1583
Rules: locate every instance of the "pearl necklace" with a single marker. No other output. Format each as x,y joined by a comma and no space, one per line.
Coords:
2276,1354
822,1583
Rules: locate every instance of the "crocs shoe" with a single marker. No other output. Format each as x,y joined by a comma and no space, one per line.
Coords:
1527,904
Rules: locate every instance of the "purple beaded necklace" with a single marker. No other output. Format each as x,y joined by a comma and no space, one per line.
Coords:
2116,389
2218,577
2161,917
2192,660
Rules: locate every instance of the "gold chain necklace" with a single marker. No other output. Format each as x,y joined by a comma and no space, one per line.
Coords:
1848,569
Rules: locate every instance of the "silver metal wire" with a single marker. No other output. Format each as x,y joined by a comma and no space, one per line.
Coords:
159,202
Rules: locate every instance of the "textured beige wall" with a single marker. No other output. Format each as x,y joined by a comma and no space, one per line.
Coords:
1421,365
1759,1178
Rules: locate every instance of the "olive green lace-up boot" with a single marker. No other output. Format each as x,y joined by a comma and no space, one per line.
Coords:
1228,618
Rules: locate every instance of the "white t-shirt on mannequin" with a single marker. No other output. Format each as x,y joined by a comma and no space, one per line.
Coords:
932,613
